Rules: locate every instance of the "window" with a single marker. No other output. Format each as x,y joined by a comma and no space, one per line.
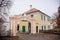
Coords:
41,17
48,19
44,18
48,27
31,15
44,27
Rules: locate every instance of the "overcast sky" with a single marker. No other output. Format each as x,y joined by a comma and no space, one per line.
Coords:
47,6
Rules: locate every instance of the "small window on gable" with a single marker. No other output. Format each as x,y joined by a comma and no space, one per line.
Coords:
31,15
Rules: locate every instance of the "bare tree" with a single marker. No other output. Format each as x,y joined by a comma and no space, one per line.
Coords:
58,18
4,15
55,15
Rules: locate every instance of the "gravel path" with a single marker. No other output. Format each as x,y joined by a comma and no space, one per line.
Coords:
22,36
39,37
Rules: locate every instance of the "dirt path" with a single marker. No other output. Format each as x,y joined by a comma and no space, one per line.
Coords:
33,37
39,37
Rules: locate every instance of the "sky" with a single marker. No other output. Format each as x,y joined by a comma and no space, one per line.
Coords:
48,7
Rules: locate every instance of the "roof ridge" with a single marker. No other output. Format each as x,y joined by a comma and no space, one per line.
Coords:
31,10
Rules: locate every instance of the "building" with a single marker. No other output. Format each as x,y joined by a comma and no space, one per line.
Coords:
31,21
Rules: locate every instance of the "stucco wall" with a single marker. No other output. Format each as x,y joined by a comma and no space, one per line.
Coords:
35,21
38,21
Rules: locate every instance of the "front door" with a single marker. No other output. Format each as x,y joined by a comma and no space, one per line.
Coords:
23,28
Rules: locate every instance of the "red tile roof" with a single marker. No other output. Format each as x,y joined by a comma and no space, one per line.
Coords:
31,10
34,10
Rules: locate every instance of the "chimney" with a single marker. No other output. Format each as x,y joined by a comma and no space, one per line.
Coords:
30,6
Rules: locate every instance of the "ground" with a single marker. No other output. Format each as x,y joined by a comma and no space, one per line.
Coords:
41,36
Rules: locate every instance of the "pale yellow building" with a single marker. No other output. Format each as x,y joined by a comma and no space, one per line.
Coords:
31,21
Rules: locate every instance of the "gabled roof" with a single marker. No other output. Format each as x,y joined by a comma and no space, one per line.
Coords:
35,10
31,10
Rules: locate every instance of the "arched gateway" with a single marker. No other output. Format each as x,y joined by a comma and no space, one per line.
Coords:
22,24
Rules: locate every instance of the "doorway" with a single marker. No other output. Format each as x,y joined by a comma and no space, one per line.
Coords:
36,29
17,27
23,29
29,27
